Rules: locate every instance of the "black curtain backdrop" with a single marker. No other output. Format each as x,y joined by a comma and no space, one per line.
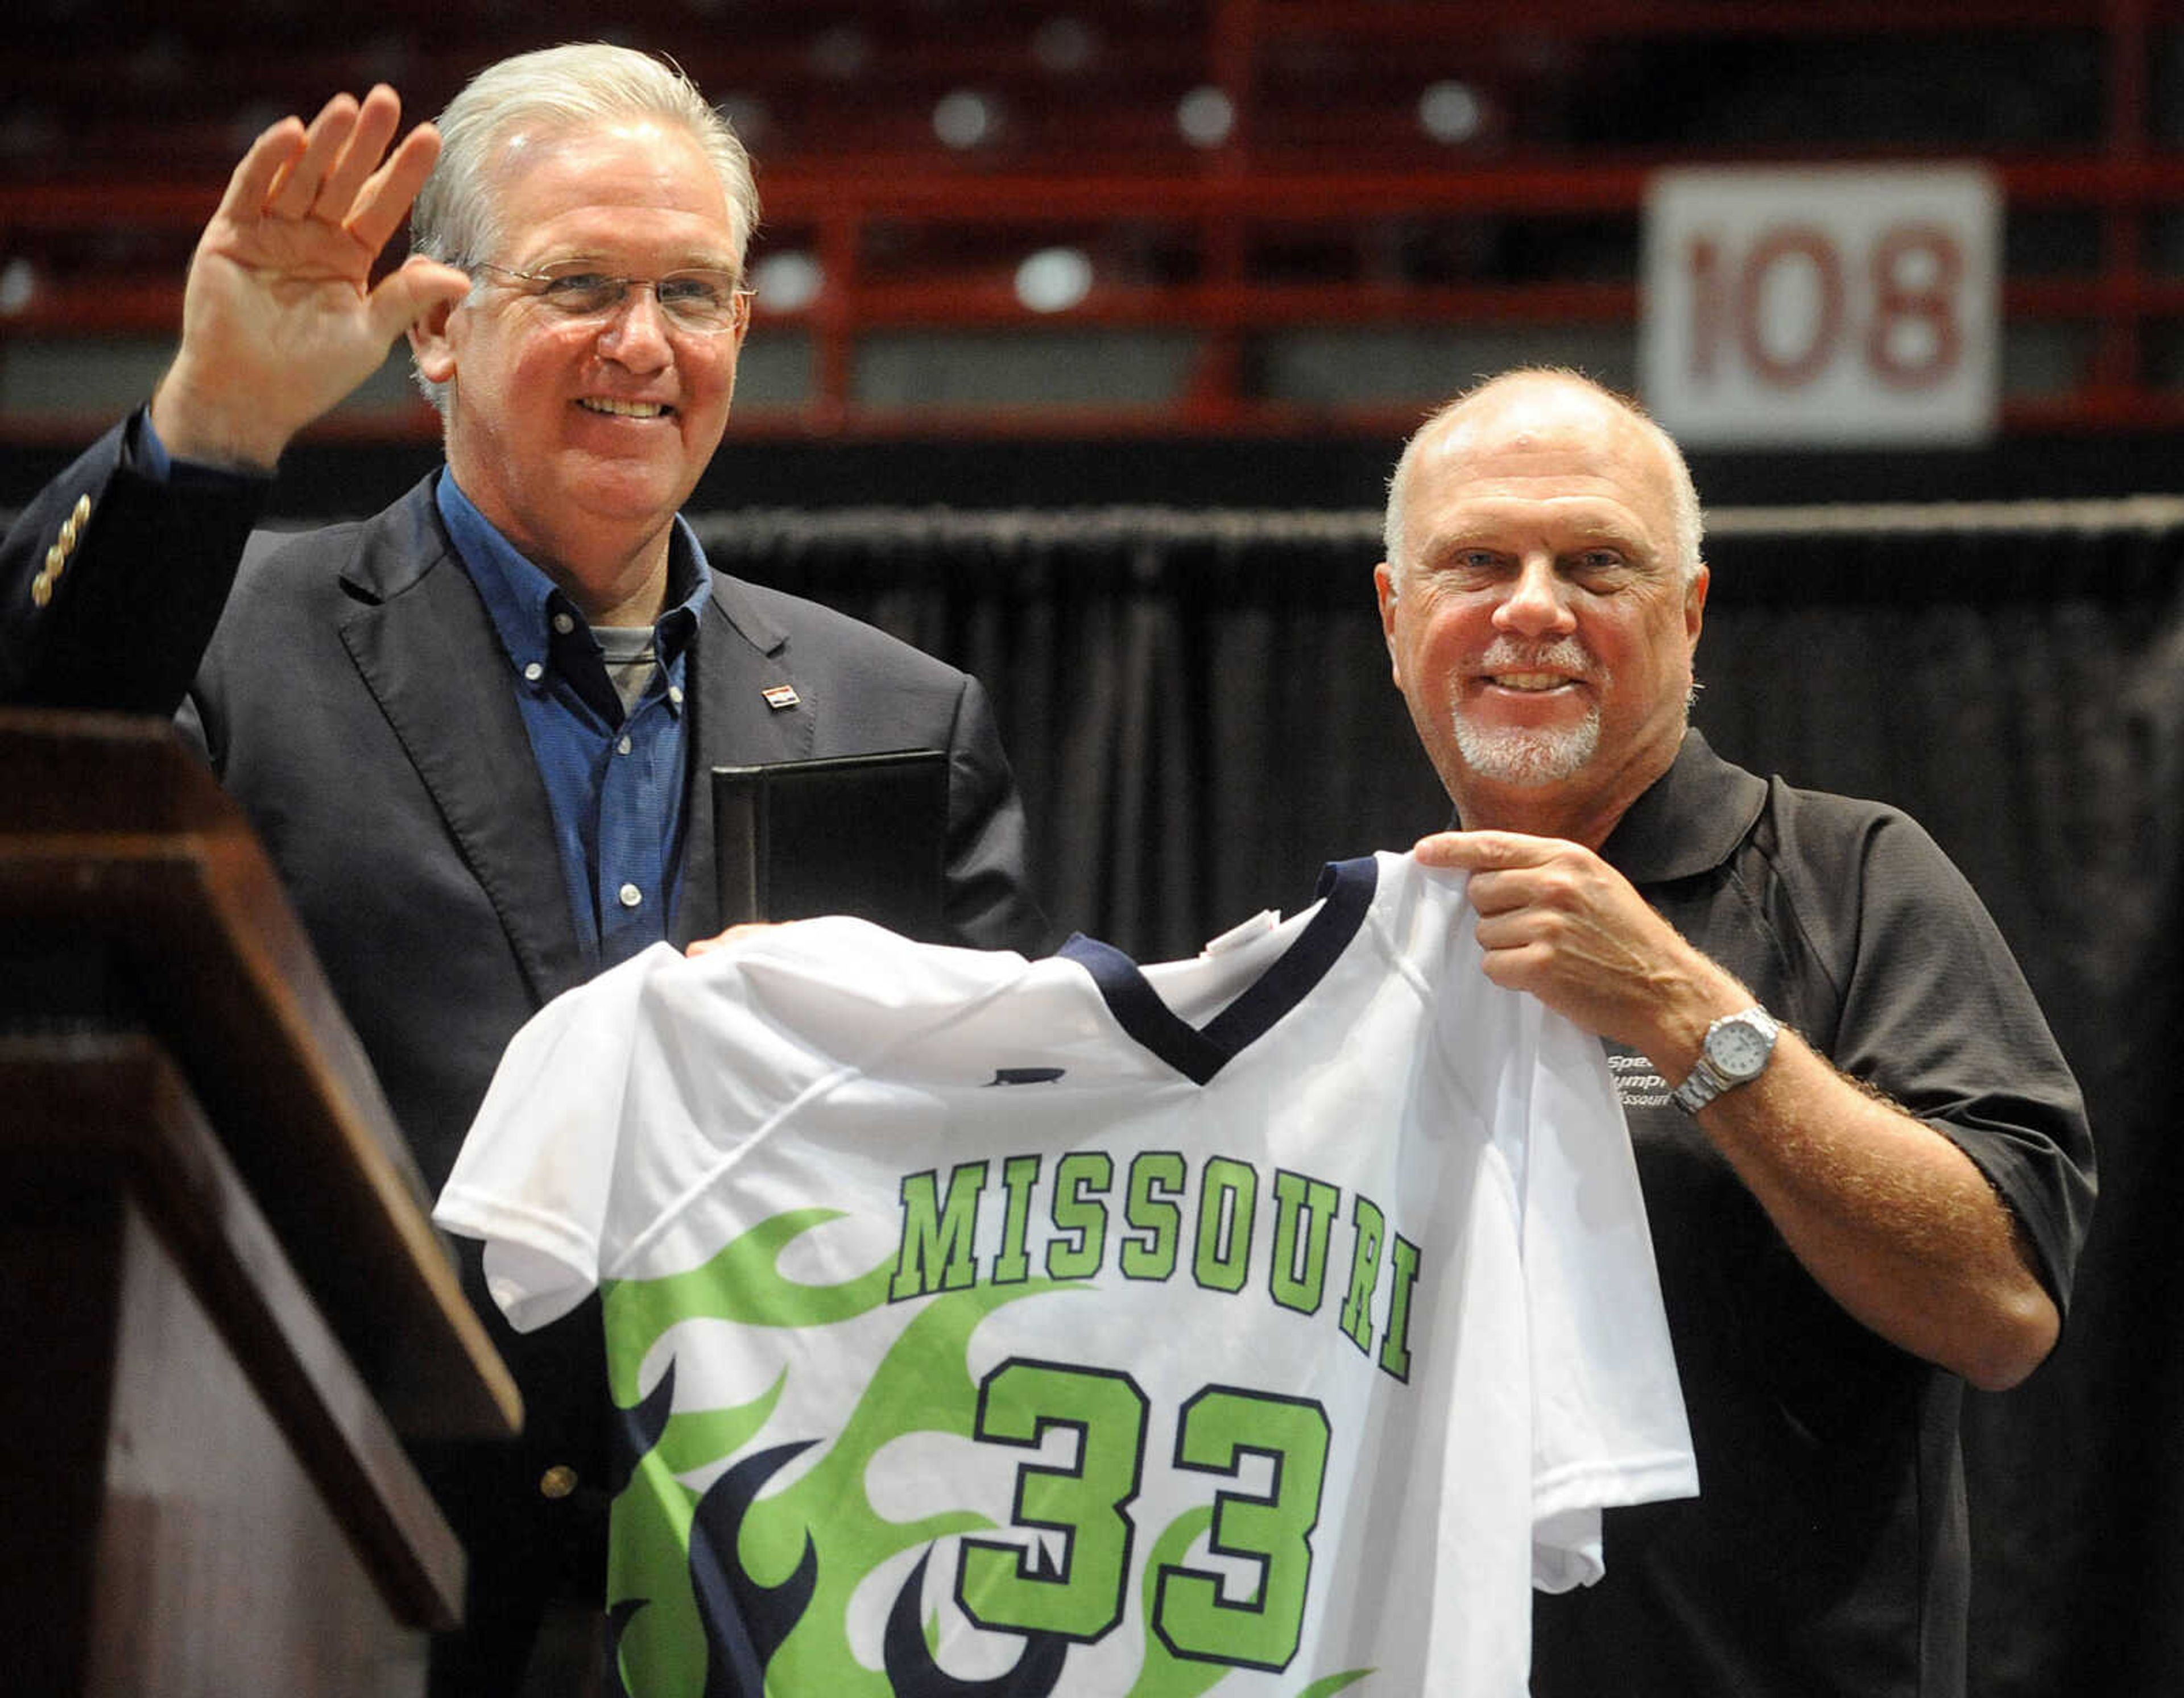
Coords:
1199,711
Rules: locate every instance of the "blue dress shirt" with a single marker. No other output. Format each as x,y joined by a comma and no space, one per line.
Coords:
615,779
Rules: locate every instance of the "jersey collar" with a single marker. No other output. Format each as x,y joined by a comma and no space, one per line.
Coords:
1345,890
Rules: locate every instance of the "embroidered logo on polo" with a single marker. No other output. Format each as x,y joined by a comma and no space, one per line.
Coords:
1638,1085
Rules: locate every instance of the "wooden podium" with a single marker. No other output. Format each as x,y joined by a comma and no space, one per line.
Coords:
222,1305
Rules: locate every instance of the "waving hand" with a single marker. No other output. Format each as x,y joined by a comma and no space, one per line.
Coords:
280,320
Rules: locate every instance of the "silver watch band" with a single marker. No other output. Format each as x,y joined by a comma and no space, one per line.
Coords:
1701,1086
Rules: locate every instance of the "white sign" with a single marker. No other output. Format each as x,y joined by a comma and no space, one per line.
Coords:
1829,305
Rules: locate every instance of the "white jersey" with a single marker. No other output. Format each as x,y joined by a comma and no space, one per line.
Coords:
1266,1322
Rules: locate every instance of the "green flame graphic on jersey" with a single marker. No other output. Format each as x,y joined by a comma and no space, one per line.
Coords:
1194,1636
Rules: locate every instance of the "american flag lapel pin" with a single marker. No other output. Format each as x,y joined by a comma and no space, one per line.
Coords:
780,697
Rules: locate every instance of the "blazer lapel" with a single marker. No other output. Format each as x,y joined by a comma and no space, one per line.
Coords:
426,650
740,656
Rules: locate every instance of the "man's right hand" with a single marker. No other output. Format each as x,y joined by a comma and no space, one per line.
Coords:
280,320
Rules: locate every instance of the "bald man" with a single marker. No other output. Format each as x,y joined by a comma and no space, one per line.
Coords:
1866,1165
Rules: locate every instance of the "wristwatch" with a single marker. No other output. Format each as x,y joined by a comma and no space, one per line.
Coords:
1736,1052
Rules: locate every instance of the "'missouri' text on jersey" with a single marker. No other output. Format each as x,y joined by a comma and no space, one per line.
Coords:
1064,1225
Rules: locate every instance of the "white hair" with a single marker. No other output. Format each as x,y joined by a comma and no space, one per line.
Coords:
1684,511
456,218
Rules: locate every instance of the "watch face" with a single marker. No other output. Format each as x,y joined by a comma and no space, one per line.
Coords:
1739,1050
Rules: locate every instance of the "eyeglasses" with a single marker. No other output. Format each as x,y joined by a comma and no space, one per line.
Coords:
704,301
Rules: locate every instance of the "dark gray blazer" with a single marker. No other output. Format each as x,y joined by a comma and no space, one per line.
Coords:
349,689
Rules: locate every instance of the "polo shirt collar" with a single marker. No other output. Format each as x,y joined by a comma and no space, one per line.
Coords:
1689,820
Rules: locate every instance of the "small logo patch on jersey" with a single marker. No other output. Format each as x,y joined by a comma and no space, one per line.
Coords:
1026,1076
780,696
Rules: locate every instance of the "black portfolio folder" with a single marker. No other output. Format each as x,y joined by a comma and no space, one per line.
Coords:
859,834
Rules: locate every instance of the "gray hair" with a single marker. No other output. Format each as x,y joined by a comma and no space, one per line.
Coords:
456,217
1684,510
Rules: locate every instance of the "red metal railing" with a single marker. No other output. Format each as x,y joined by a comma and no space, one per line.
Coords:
859,201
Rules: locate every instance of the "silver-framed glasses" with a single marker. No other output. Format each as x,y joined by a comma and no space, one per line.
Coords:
699,299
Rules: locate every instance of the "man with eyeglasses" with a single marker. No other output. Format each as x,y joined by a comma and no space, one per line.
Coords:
467,727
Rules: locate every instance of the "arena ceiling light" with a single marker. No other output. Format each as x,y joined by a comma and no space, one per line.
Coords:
1452,112
1054,280
965,118
1206,116
788,282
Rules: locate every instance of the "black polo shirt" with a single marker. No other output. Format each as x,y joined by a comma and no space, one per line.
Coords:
1827,1551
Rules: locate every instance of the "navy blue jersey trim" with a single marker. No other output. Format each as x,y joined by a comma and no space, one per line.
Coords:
1345,889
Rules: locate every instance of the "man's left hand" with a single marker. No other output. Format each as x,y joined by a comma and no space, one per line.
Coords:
738,934
1556,921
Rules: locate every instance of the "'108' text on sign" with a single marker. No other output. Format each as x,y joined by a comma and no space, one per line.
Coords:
1832,306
